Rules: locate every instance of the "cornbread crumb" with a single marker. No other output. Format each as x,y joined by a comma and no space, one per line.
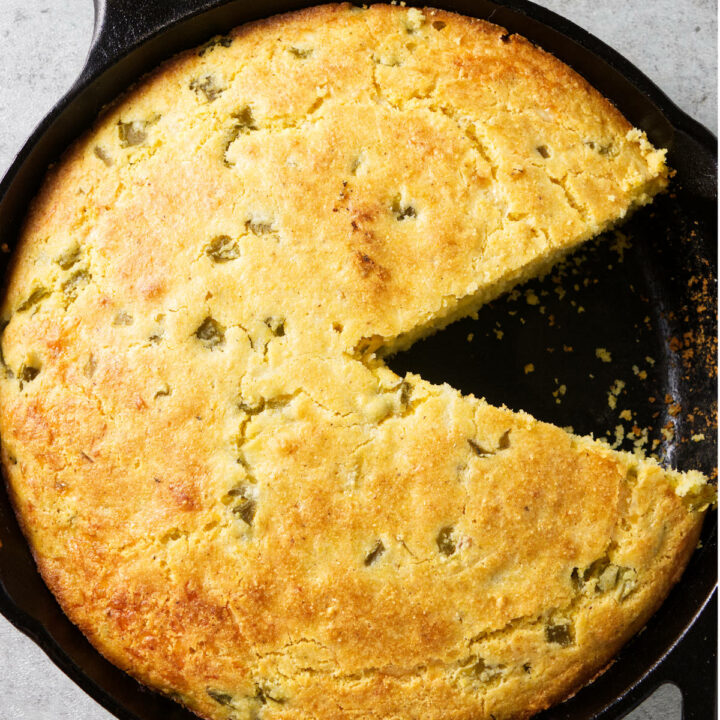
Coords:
615,390
620,245
603,355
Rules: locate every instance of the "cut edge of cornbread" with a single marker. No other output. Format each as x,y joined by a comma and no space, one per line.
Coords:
454,309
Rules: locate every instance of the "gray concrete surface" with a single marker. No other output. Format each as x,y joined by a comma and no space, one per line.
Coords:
42,47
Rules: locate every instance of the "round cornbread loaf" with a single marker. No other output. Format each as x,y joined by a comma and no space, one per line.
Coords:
223,484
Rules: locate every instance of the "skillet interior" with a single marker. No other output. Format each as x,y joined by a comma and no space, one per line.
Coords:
641,307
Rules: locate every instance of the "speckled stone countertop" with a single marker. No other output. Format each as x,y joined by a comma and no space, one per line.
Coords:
42,48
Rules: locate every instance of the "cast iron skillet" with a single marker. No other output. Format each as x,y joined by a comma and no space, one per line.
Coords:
642,307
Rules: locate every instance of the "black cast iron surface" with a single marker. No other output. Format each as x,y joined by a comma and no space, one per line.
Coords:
648,298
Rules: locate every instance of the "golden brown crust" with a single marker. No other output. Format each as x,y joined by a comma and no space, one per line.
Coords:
225,488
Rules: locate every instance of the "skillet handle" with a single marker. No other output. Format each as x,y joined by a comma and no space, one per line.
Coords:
122,25
693,667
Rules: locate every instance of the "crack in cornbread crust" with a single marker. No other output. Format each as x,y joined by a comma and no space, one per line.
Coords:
198,422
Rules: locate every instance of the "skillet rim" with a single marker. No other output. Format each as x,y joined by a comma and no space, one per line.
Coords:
107,54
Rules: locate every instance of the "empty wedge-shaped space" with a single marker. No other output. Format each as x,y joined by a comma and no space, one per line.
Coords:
223,483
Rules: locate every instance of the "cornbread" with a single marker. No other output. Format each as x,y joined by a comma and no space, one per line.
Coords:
221,481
